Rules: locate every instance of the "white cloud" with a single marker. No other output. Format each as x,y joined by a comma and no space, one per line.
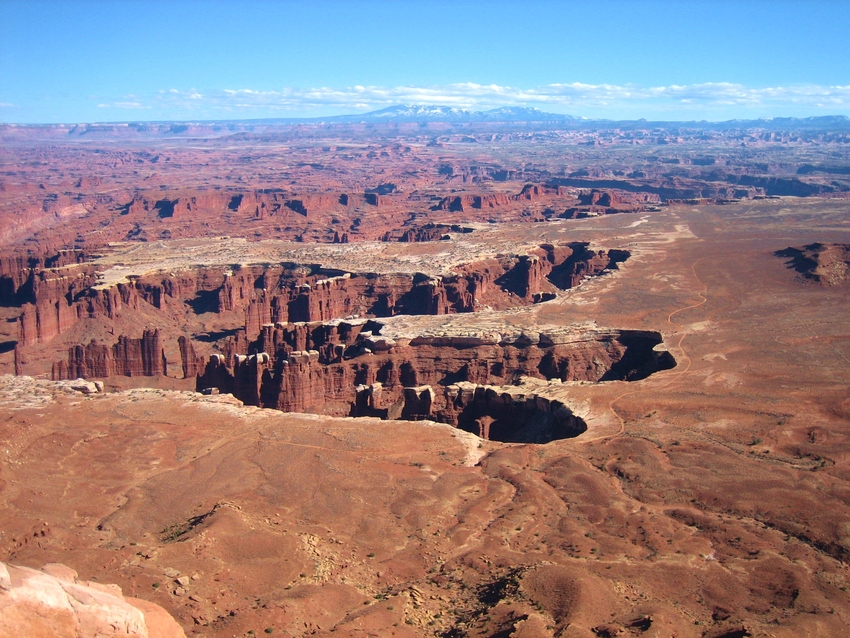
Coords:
123,105
473,95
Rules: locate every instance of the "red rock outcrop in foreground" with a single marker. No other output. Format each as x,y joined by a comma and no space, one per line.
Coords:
54,603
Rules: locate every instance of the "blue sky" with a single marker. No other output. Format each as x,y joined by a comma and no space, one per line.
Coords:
125,60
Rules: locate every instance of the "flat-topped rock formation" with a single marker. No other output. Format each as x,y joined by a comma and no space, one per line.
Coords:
825,264
292,350
291,343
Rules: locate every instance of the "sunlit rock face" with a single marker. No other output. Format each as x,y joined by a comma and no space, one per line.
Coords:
55,603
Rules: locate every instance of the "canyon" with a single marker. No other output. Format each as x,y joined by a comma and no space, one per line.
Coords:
444,379
447,379
288,345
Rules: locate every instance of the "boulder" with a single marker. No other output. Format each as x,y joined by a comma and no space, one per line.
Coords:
55,603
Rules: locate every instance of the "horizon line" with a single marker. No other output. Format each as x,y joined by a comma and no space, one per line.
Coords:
412,118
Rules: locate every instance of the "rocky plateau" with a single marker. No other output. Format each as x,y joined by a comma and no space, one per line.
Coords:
477,379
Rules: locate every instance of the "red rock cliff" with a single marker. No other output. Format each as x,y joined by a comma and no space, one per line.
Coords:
351,370
128,357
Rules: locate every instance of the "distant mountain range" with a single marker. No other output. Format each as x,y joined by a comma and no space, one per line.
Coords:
420,113
413,113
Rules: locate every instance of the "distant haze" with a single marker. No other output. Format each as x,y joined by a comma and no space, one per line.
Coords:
150,60
423,114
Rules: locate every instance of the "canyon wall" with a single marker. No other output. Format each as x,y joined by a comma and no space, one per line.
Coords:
57,298
480,201
258,204
349,369
305,338
129,358
672,188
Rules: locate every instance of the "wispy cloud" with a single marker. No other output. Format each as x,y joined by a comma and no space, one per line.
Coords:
124,105
576,94
576,97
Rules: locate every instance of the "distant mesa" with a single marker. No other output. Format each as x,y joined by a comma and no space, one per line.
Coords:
825,264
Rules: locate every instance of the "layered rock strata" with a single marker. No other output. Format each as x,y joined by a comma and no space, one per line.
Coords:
483,201
593,202
129,358
290,350
260,204
347,368
57,298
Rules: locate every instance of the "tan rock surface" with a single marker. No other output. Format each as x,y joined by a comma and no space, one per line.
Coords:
54,603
